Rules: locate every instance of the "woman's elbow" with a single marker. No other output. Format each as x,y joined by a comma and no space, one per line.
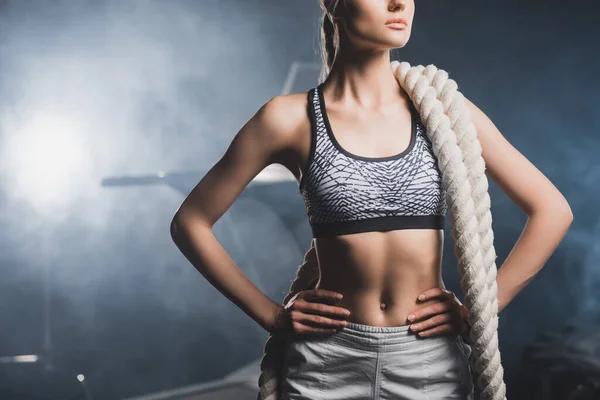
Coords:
177,228
564,212
181,223
174,228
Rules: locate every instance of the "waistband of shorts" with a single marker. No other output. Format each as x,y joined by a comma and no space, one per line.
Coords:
371,337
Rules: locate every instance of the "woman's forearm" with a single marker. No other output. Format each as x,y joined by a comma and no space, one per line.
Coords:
542,233
198,244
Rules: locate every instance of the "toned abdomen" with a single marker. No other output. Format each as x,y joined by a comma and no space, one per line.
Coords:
381,274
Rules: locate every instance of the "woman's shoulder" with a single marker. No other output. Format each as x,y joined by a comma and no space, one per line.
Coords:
285,116
287,111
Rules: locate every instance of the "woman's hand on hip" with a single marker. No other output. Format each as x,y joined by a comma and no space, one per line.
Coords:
448,316
308,314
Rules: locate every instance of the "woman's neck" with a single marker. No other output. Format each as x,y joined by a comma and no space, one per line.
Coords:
365,79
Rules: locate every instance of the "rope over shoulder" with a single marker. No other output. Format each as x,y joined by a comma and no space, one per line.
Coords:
458,151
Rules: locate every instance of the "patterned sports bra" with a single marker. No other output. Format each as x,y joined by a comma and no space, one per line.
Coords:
345,193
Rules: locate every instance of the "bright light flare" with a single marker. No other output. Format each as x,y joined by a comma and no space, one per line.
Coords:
47,158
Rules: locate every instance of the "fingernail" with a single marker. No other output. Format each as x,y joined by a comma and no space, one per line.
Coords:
415,326
422,297
346,312
411,317
339,296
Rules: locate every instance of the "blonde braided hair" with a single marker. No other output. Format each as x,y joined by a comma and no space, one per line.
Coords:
458,151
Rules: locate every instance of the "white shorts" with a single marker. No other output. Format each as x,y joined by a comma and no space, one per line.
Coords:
363,362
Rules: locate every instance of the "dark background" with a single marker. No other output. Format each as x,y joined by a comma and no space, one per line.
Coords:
92,89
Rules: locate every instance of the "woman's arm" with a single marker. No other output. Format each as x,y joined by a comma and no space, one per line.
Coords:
262,141
549,214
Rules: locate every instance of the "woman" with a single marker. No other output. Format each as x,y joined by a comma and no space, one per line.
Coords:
368,316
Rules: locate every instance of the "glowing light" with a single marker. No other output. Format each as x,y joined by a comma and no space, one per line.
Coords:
25,358
46,158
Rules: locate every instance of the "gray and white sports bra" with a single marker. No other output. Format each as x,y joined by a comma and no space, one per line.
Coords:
346,193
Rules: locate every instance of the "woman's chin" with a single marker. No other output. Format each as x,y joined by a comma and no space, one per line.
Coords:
396,44
398,39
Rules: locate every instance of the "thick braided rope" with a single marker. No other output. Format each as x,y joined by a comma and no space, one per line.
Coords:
271,364
458,151
453,102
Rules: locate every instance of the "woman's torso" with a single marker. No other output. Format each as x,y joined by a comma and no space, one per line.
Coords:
379,272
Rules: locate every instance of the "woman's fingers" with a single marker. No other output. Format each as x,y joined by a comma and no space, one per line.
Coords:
437,320
436,292
430,310
310,314
321,294
320,308
313,319
444,329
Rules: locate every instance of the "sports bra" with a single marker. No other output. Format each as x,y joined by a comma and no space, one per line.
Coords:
346,193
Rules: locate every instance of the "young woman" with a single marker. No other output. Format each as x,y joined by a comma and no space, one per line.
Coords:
368,316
